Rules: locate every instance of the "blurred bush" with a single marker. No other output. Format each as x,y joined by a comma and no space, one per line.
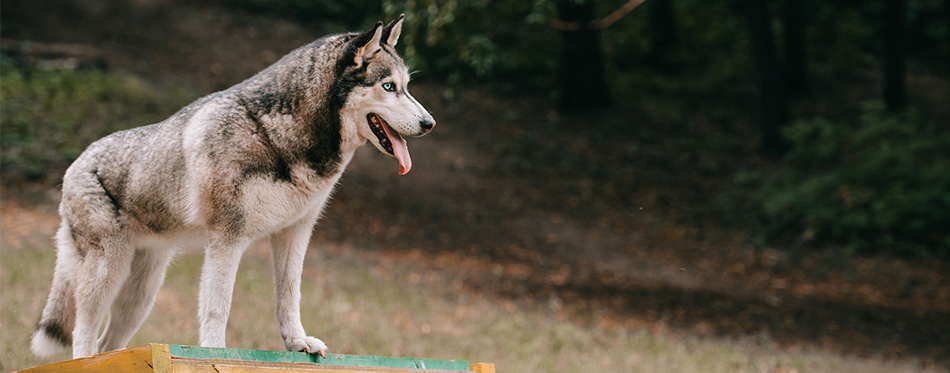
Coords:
47,117
510,45
464,42
878,184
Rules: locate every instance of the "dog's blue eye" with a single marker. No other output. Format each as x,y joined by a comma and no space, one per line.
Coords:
389,87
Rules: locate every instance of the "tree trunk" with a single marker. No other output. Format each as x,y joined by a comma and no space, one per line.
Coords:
583,87
895,66
773,103
796,57
663,28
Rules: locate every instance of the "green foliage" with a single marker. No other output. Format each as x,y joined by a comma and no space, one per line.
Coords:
47,117
467,41
881,184
849,34
511,45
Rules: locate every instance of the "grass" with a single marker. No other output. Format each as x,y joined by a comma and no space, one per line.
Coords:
357,310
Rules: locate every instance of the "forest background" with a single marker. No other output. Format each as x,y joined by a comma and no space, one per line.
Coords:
773,171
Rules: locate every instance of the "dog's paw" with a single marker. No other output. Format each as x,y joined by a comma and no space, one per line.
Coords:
307,344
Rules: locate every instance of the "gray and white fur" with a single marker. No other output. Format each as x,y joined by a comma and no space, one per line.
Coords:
257,160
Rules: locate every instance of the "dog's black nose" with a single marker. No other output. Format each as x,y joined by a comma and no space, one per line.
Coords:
427,125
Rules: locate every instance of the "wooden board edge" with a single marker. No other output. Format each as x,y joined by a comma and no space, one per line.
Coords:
483,367
188,364
135,359
161,358
302,357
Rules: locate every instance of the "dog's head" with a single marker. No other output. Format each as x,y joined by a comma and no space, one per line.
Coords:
379,104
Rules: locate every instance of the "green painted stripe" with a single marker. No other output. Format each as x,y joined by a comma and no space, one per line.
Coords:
303,357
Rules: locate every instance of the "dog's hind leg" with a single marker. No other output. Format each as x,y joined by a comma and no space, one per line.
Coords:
218,272
100,239
136,298
98,278
288,248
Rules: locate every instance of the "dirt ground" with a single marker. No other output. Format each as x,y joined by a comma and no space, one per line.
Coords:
511,199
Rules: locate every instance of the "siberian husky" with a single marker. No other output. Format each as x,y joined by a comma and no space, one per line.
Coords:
256,160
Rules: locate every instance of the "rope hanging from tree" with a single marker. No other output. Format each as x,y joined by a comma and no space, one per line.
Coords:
599,24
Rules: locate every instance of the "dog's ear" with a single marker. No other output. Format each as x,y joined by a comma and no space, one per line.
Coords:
367,44
392,30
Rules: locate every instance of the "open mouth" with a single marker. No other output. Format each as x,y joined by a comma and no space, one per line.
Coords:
379,129
390,141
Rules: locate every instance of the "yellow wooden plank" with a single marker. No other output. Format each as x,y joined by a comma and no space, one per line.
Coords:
136,359
483,367
161,358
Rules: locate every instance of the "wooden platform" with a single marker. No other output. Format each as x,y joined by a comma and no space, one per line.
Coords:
176,358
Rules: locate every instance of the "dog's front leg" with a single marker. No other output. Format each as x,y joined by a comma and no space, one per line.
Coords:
222,257
288,248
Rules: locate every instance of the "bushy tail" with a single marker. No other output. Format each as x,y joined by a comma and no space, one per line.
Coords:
49,338
54,331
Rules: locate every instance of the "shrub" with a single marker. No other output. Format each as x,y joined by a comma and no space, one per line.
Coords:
47,117
880,184
452,40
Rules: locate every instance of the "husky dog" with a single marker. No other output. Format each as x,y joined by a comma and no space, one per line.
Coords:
256,160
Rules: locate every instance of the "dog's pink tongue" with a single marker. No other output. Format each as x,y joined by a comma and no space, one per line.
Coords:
400,150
